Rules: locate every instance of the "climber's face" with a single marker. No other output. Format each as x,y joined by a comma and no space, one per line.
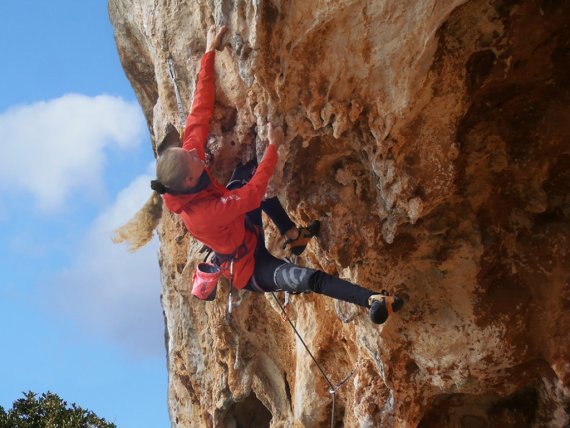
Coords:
195,168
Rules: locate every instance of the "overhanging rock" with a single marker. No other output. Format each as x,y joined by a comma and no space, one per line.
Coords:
431,139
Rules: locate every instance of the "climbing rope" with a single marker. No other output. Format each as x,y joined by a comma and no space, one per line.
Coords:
332,388
172,75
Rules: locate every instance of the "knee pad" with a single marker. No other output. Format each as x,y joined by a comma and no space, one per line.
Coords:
293,278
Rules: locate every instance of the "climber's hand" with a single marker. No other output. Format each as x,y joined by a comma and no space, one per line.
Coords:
275,135
213,38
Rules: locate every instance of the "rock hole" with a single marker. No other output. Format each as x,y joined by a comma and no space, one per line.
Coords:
288,391
250,413
411,368
478,411
479,66
229,120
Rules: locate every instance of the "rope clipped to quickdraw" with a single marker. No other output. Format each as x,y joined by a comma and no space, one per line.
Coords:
172,75
332,388
229,309
229,316
286,304
286,307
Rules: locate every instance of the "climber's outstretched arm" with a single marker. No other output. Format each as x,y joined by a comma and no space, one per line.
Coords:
198,121
244,199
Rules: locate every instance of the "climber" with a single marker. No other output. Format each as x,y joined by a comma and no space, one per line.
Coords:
229,221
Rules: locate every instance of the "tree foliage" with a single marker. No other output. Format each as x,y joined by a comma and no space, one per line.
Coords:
49,411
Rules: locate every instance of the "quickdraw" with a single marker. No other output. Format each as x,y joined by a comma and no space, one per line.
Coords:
286,307
230,301
172,75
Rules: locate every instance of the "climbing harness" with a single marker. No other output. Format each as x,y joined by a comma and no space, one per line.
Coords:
172,75
220,259
206,276
332,388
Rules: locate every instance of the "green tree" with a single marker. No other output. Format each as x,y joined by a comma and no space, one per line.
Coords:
49,411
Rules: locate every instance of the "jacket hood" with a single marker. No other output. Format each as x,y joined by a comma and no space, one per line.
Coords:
177,202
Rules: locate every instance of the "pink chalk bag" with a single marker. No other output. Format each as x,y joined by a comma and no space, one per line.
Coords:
205,281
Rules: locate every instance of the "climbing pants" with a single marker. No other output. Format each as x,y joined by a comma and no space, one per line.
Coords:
272,274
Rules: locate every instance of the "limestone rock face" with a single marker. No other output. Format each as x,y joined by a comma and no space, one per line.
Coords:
431,139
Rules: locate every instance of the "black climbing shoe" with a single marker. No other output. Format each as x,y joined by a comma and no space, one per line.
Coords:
297,246
382,306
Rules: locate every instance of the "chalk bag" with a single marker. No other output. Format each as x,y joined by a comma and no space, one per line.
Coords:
205,281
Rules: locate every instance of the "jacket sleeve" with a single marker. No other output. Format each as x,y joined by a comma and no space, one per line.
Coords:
198,121
248,197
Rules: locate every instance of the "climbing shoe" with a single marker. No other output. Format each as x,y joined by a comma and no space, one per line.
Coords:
298,245
382,306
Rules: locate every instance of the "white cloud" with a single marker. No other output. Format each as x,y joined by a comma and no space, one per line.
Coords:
54,148
109,291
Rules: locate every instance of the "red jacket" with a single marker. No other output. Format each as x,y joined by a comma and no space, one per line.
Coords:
216,216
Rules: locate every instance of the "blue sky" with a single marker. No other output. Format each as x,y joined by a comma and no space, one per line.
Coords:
79,316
